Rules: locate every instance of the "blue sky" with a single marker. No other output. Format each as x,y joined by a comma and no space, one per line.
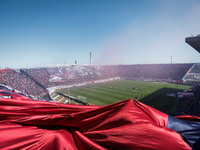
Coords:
37,33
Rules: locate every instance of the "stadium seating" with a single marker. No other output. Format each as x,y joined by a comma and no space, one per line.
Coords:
34,81
155,71
21,83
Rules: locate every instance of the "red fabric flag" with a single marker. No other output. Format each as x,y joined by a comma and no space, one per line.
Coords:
129,124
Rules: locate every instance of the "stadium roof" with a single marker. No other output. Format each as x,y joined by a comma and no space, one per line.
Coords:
194,42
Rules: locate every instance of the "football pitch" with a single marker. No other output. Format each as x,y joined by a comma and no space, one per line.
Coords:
150,93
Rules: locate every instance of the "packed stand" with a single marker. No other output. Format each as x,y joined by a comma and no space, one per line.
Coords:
155,71
194,103
21,83
35,80
66,75
39,74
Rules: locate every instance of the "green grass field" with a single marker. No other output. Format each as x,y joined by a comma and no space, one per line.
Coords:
150,93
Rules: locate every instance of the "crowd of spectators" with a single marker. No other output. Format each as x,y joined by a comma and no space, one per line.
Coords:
193,105
181,106
66,75
21,83
39,74
155,71
189,104
34,80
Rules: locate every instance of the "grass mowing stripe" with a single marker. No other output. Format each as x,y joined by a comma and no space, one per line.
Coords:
107,92
93,97
111,92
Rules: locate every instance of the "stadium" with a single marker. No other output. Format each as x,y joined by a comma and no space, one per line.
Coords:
49,95
99,75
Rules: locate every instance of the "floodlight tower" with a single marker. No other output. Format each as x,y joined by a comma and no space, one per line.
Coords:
171,59
90,58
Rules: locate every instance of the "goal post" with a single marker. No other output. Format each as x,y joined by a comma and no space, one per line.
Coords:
82,98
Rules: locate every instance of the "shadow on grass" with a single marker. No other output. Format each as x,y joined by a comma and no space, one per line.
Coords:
159,100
